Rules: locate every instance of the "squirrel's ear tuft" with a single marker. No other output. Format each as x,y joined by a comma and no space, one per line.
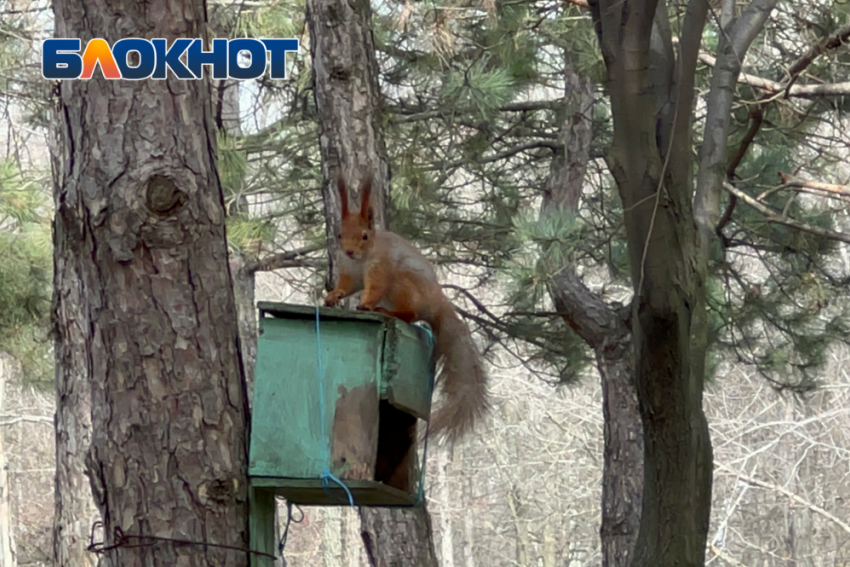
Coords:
366,212
343,193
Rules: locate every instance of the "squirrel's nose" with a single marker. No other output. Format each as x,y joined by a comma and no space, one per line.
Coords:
350,253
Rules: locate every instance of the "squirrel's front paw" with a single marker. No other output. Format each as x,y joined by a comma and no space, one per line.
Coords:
332,298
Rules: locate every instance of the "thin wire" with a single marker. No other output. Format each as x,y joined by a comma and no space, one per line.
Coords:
290,519
327,474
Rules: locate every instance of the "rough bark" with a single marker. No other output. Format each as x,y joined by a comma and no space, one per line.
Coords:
605,329
400,537
244,285
650,158
75,511
345,84
144,300
227,112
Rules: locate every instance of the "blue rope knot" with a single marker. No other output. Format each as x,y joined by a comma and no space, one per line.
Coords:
327,475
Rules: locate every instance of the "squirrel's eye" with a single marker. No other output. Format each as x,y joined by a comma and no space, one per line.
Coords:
365,235
339,236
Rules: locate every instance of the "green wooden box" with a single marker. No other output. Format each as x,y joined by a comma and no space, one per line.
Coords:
375,383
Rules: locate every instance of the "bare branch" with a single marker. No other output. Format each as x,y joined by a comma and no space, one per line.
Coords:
770,486
528,106
725,556
792,181
581,3
288,259
510,152
832,41
779,218
791,91
12,419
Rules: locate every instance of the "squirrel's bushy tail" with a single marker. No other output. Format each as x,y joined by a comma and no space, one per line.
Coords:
461,376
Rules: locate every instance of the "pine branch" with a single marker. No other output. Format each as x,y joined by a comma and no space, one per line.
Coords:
779,218
832,41
405,116
510,152
290,259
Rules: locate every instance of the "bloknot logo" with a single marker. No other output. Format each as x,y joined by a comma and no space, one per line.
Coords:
61,59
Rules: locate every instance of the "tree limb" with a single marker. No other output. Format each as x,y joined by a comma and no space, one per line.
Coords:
791,91
282,260
792,181
527,106
832,41
770,486
12,419
510,152
733,47
778,218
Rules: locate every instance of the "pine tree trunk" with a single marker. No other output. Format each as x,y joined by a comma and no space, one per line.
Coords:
144,302
622,469
396,537
75,511
651,161
606,331
345,83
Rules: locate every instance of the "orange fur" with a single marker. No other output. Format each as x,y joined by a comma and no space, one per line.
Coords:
397,280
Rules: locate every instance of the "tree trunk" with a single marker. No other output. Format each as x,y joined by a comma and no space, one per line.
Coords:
75,511
345,84
443,489
650,158
145,308
398,537
606,331
244,283
227,113
622,478
7,540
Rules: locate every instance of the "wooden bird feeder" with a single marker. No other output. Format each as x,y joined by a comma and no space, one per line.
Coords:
375,382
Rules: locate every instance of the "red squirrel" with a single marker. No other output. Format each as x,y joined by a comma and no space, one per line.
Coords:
397,280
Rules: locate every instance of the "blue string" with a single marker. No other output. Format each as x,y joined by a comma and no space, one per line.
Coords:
327,474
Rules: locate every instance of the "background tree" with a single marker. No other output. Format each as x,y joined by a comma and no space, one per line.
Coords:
345,86
144,305
671,229
24,304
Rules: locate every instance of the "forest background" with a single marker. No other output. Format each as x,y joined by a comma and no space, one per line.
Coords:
475,98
